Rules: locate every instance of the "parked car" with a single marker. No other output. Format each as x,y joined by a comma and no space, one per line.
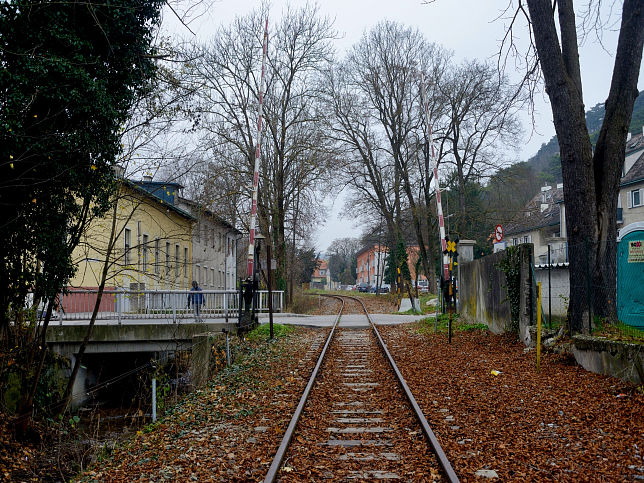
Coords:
382,289
363,287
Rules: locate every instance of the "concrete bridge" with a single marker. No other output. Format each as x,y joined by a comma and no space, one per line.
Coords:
152,324
147,320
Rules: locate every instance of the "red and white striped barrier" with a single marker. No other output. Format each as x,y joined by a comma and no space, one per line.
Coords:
253,209
439,205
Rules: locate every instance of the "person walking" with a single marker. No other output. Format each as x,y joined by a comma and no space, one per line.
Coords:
196,299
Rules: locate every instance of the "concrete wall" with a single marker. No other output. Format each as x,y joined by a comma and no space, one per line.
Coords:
483,294
617,359
559,287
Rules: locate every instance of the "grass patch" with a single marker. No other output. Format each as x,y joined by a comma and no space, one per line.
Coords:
428,309
302,303
618,331
263,331
428,324
465,327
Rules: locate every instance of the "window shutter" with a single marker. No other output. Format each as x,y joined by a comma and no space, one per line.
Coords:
630,199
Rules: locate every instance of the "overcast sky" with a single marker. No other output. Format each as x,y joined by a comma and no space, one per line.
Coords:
469,28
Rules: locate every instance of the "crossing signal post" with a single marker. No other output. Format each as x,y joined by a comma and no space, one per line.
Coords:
398,281
450,283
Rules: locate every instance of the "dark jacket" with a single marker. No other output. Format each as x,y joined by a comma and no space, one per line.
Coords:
195,297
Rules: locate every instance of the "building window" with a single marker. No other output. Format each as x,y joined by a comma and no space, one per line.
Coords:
167,257
128,244
526,239
635,198
515,241
197,274
321,272
157,256
145,253
185,262
176,261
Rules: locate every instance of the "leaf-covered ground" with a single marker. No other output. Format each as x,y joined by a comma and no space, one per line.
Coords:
228,431
376,304
560,424
357,423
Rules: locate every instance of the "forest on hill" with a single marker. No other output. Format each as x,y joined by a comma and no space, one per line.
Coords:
546,163
507,191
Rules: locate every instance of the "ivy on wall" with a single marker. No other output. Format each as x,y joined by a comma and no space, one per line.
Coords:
511,266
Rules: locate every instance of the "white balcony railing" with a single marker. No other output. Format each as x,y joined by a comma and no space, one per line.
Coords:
134,305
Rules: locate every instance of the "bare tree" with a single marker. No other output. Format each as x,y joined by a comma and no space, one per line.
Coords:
342,259
590,177
482,124
294,157
375,101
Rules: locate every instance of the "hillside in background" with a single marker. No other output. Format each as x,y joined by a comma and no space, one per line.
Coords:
546,163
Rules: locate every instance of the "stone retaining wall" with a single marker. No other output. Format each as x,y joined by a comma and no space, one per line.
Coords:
603,356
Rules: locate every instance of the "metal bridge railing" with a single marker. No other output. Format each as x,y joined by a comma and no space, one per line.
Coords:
133,305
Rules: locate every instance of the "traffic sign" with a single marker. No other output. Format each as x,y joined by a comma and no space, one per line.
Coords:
498,233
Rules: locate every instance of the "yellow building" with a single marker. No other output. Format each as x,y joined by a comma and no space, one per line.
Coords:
153,241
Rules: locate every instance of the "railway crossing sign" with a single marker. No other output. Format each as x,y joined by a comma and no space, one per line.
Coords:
498,233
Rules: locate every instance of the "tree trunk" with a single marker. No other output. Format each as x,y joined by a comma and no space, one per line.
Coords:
591,183
610,152
422,251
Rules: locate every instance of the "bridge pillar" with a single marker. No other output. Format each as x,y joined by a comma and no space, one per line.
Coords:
201,351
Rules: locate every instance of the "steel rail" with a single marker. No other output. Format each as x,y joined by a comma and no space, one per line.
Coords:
433,441
281,451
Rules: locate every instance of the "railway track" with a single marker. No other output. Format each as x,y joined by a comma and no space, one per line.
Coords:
357,419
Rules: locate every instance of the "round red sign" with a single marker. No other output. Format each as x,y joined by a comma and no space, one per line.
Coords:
498,233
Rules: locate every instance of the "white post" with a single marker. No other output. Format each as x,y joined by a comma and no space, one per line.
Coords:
227,349
439,205
173,297
438,302
154,399
120,299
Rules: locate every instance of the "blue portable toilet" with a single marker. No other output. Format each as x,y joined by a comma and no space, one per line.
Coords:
630,275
